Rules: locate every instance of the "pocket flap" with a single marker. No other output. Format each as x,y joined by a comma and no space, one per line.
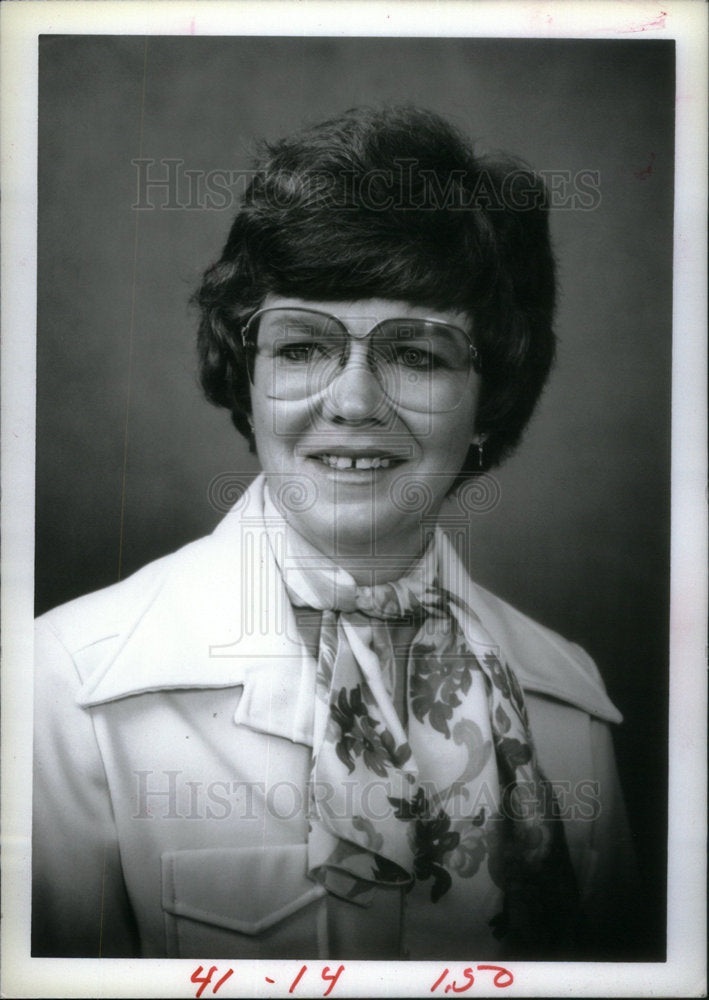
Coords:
245,889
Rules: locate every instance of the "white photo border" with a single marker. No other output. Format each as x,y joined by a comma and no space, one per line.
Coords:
22,22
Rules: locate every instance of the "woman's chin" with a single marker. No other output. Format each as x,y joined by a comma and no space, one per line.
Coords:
357,530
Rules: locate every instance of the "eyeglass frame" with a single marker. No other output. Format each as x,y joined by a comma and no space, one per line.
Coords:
474,352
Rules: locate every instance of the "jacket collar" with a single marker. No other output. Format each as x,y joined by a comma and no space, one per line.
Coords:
216,614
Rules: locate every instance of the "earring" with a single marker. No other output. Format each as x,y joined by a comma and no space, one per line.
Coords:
480,458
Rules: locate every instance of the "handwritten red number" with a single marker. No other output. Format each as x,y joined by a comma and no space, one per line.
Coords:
229,972
297,979
503,978
197,977
439,980
332,980
500,974
468,973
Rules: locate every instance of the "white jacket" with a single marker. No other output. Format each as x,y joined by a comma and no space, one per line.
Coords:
172,751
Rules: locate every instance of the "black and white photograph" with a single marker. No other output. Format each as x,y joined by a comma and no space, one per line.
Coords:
359,594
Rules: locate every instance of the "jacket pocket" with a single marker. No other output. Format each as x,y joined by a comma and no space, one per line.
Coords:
247,902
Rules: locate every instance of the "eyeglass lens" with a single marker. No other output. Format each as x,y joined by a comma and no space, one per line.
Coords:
420,364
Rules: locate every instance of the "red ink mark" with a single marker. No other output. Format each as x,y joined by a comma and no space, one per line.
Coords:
659,22
297,979
468,973
229,972
270,980
439,980
197,977
328,978
500,973
643,174
503,977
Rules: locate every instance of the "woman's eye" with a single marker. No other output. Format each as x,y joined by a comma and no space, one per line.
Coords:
308,352
416,357
296,352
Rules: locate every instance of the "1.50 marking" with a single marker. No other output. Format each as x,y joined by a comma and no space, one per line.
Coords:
503,977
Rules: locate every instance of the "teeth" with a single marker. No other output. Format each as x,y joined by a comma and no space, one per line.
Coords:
345,462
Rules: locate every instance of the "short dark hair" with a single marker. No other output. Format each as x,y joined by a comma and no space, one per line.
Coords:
392,203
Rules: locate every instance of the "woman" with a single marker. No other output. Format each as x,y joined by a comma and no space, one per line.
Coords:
311,734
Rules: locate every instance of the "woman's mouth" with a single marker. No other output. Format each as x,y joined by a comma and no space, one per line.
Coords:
362,457
342,462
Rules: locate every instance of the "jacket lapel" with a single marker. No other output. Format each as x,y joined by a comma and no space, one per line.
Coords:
218,616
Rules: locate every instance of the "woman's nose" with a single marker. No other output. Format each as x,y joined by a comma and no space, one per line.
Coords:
356,395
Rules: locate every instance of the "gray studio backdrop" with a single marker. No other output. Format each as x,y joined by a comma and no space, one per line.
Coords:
127,449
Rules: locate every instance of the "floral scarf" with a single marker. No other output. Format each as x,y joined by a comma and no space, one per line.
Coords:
453,796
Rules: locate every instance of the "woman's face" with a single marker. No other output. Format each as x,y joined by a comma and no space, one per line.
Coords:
340,450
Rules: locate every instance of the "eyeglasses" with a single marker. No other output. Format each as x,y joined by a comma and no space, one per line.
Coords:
420,364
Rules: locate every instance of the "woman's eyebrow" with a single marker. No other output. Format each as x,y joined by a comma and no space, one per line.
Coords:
299,323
